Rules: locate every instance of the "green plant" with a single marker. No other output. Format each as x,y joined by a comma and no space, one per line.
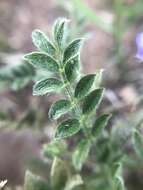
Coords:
16,76
75,114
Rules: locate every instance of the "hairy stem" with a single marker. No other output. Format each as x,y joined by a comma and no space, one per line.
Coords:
70,93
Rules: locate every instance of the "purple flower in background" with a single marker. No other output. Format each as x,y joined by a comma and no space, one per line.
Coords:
139,43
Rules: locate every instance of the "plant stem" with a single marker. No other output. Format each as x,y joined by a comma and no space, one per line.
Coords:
70,93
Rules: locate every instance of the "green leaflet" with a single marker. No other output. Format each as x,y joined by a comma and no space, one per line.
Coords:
46,86
23,70
100,123
19,83
42,61
81,153
55,148
59,174
67,128
72,49
33,182
92,100
16,77
22,75
98,78
138,143
72,68
73,182
41,41
84,86
6,75
60,32
59,108
119,182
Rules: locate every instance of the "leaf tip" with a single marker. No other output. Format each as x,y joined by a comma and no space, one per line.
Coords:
26,57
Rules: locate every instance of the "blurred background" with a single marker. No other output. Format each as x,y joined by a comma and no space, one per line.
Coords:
110,28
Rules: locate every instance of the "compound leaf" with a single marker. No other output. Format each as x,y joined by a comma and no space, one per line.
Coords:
16,77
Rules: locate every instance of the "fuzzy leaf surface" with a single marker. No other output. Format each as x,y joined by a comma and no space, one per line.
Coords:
119,181
92,100
59,108
16,77
33,182
72,68
100,124
41,41
60,31
81,153
67,129
72,49
46,86
59,174
84,86
98,78
42,61
55,148
73,182
22,71
138,144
